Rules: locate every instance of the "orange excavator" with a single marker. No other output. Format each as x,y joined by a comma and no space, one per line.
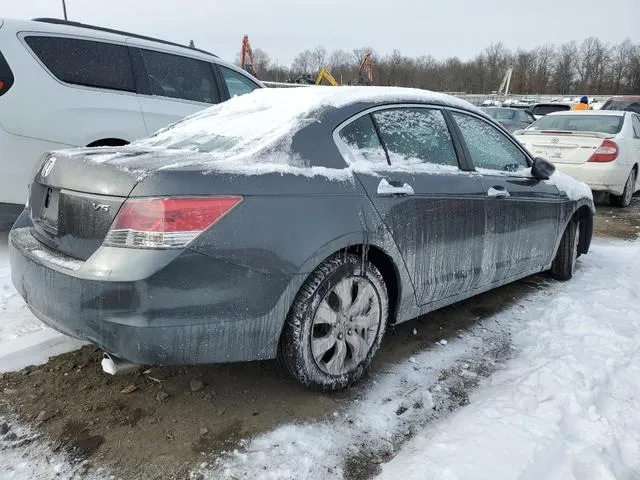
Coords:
247,56
365,70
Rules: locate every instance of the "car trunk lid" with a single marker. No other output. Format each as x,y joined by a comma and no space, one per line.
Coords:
563,146
76,195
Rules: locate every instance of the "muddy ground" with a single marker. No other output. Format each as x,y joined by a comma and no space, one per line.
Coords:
158,423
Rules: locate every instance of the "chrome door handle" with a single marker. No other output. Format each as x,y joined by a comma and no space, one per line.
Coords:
385,189
498,193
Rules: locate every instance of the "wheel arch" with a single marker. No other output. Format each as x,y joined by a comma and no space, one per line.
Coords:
382,260
585,216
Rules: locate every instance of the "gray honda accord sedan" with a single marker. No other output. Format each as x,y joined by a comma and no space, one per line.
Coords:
291,223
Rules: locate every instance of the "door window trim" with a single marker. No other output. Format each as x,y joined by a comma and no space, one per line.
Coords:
344,148
494,125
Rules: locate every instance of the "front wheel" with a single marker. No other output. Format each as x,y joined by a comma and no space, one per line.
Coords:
624,200
564,265
336,323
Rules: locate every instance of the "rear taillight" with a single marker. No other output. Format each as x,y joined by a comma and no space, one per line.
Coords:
607,152
166,222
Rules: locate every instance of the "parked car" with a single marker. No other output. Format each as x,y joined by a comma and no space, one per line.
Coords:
510,118
287,223
539,110
629,103
66,84
600,148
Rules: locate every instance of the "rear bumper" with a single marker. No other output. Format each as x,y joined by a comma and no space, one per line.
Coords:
194,309
605,177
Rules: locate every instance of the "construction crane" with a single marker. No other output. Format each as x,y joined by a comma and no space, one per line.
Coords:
324,74
365,70
247,56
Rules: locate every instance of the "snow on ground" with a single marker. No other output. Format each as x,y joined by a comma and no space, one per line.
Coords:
568,405
564,402
24,340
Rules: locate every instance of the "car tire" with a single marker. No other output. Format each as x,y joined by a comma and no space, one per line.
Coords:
336,323
564,265
624,200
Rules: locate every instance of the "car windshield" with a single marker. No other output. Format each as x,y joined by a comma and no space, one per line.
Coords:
501,113
580,123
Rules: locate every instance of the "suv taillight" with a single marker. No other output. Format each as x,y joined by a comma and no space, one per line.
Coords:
166,222
6,76
606,152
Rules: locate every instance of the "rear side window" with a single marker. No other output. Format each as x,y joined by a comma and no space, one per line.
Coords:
489,148
575,122
237,84
174,76
636,126
6,75
363,142
416,136
85,62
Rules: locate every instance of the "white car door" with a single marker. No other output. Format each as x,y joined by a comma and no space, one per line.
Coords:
176,86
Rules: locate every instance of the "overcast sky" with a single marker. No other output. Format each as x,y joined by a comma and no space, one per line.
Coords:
283,28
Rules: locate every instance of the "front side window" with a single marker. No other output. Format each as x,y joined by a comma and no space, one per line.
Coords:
174,76
363,142
237,84
85,62
415,136
489,148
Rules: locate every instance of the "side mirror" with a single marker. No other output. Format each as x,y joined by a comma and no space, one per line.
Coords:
542,169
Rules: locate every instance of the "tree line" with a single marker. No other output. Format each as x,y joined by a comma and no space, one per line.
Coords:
590,67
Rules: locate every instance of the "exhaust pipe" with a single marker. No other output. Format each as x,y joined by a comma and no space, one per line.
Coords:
115,366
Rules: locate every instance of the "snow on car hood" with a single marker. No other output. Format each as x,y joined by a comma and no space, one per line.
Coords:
253,133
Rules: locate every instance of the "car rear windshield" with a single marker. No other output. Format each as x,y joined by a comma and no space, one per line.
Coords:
547,109
580,123
628,105
501,113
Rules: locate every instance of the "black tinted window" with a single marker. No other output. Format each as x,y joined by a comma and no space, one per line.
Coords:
179,77
84,62
415,136
237,84
362,139
489,148
547,109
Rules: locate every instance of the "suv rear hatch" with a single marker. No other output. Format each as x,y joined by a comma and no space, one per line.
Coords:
75,197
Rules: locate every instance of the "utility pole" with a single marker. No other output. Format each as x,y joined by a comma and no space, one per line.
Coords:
64,9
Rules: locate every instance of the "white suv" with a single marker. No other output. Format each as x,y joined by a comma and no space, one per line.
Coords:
65,84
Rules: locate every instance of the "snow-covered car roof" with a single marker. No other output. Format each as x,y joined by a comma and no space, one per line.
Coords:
265,118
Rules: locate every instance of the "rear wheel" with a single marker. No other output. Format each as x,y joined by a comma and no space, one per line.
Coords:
336,324
564,265
624,200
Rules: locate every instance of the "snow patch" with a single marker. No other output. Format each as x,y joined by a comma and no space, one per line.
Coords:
574,189
568,405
